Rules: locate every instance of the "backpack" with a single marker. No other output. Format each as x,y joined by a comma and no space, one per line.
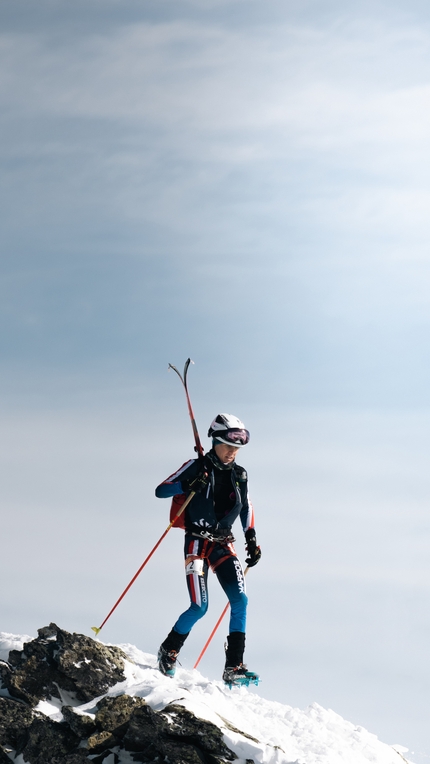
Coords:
177,502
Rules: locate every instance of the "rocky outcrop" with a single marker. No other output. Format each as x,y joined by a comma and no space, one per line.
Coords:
56,661
59,665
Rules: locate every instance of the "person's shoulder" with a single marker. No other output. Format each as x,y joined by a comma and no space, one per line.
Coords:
188,465
241,472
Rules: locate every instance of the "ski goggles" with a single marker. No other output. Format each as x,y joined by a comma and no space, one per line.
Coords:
233,437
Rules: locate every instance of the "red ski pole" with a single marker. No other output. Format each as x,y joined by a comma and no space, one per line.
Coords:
199,449
214,629
97,629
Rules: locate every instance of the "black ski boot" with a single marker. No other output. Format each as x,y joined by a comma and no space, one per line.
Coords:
169,651
235,672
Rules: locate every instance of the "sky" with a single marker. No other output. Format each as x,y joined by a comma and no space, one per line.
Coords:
245,184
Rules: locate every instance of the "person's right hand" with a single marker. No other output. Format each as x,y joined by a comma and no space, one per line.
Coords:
197,484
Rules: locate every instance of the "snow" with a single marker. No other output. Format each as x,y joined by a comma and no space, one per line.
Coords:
254,728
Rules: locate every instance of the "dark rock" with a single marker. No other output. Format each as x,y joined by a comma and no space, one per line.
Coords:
174,754
81,724
174,735
78,757
114,714
59,661
46,632
145,731
15,657
184,726
5,672
100,741
49,741
15,719
100,759
93,667
35,679
4,758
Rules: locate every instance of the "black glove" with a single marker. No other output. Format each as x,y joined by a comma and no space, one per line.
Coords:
197,483
253,551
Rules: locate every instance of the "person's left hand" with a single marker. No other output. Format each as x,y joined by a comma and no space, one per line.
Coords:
253,551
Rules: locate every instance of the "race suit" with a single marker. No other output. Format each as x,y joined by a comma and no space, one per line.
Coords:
210,512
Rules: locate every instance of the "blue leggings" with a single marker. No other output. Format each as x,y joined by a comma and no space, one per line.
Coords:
227,568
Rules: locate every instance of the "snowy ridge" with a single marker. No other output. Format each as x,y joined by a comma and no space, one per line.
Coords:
264,731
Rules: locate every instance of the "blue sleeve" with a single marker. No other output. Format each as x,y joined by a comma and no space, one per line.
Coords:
172,485
165,490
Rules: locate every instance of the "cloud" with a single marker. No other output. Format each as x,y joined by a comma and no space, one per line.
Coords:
318,84
282,159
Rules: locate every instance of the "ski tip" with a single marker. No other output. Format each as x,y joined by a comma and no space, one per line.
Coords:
173,368
96,630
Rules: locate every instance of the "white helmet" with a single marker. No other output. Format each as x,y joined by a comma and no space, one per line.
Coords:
228,429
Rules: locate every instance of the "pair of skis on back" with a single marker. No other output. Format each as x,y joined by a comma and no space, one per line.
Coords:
249,677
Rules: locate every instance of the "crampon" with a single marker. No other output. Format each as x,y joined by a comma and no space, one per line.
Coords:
239,676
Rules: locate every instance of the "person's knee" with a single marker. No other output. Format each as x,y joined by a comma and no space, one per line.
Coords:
239,603
199,610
